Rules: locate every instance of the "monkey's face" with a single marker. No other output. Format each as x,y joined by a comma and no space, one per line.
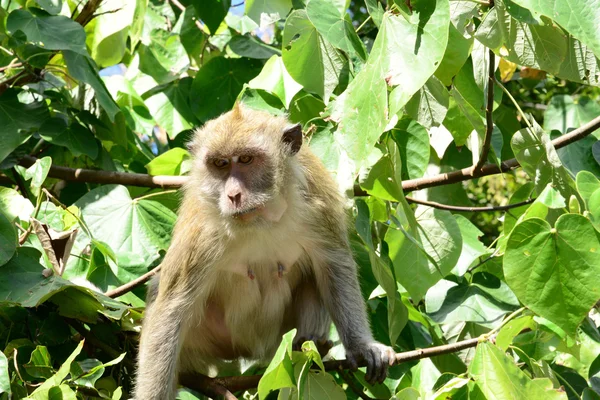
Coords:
242,183
242,160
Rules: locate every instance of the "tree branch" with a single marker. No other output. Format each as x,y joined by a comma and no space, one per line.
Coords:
128,287
107,177
489,120
466,208
173,182
203,383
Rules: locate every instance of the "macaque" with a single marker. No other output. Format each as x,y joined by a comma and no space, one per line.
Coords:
260,247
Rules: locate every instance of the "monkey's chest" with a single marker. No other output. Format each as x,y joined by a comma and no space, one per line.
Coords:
251,296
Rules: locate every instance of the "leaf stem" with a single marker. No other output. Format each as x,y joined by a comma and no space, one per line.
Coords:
506,320
363,24
512,99
156,194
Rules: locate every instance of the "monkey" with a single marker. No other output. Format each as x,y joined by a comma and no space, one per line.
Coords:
260,247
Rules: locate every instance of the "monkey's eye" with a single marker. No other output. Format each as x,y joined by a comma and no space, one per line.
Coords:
221,162
246,159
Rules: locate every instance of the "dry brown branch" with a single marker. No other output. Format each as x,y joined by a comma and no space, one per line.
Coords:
466,208
128,287
201,382
172,182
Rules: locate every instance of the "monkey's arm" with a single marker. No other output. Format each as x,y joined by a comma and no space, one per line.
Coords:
341,295
164,323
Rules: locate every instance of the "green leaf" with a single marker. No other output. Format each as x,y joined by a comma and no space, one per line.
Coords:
308,57
40,364
60,375
48,31
218,83
212,12
430,104
555,272
265,11
484,301
249,46
25,284
587,184
169,163
83,68
38,173
4,375
108,31
413,141
538,46
51,6
578,17
275,79
431,254
162,56
77,138
383,179
539,159
8,239
140,227
564,112
280,372
335,27
397,312
472,248
169,105
551,198
14,206
512,329
16,117
500,378
455,56
321,386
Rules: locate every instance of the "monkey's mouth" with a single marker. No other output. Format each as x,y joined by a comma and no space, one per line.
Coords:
247,213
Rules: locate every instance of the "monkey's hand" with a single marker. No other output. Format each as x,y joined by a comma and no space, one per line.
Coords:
377,356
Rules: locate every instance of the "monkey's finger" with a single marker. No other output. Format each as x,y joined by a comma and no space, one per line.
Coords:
371,360
383,366
352,361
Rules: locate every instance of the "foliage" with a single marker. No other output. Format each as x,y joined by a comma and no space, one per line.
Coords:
388,93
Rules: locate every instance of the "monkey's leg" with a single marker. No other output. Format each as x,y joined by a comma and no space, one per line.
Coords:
311,317
340,292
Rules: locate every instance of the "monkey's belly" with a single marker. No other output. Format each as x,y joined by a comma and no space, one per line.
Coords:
245,316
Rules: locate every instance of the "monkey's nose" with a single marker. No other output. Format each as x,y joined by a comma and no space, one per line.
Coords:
235,199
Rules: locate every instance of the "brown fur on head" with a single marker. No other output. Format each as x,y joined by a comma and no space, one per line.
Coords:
242,159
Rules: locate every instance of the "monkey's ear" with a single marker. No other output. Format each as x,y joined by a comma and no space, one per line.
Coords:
293,137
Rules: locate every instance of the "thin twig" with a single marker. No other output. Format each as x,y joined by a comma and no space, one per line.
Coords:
11,65
240,383
352,385
172,182
182,8
128,287
211,387
479,264
489,120
466,208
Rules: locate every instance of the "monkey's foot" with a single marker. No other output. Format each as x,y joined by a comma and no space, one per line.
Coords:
377,356
323,344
